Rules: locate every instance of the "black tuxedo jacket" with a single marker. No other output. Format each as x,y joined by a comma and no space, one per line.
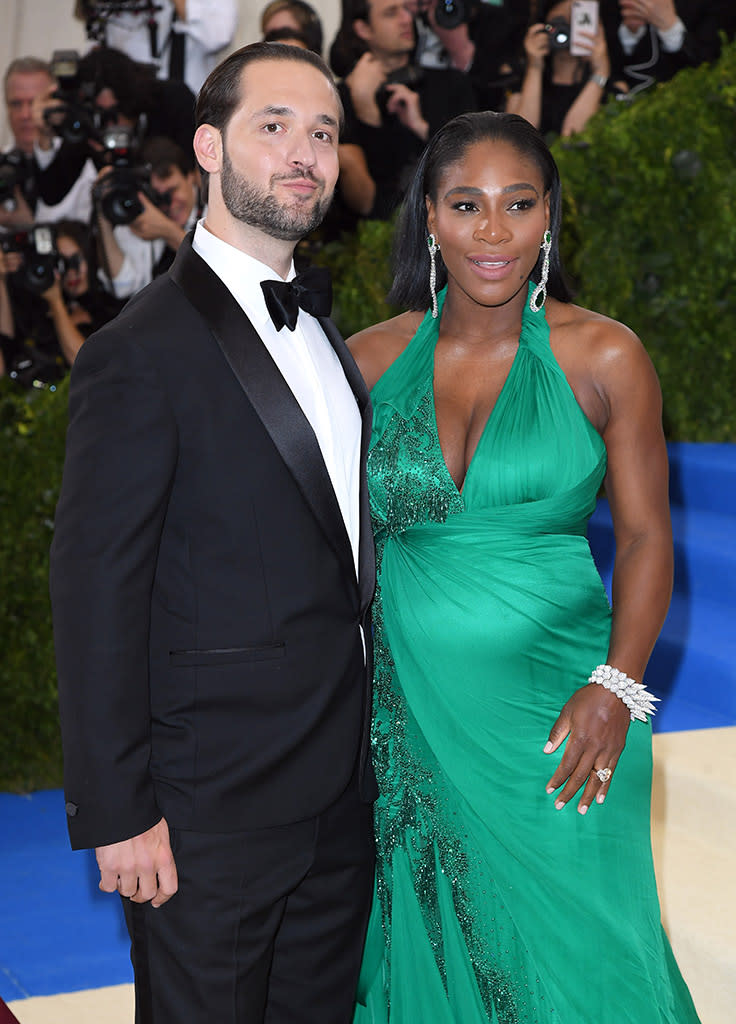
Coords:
206,606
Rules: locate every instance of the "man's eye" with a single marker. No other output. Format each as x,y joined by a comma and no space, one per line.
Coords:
272,128
323,135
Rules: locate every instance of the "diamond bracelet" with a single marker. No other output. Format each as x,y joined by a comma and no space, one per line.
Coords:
634,695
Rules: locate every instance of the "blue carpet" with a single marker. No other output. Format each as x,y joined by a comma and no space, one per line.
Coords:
59,933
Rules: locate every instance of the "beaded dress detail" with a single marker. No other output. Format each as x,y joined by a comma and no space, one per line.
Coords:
492,907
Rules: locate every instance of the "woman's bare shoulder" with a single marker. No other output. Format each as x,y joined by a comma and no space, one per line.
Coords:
597,339
377,347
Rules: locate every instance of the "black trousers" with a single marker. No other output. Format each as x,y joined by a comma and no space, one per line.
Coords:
267,926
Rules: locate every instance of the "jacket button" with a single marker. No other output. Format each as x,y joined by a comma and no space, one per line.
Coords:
71,809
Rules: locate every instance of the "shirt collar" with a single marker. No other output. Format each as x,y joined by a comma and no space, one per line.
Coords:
240,273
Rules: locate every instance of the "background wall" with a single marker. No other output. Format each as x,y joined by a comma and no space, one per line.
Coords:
38,27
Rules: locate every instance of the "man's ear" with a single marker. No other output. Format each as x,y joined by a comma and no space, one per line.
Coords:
208,148
362,30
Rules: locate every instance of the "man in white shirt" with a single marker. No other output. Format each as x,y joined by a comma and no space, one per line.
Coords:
181,37
211,577
651,40
133,254
27,79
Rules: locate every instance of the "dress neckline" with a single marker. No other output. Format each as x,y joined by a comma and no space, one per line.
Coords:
501,399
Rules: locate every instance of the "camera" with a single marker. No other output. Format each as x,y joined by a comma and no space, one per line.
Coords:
411,76
117,192
37,245
75,118
558,30
13,174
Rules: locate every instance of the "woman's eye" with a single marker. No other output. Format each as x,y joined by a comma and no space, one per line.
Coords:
465,206
522,204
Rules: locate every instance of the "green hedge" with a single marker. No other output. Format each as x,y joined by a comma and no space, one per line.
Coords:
32,430
650,235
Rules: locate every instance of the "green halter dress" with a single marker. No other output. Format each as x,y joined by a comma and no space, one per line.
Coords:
491,906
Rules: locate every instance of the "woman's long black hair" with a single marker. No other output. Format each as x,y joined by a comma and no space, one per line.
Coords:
449,145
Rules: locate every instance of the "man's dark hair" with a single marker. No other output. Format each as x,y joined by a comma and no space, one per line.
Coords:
130,80
447,147
164,156
221,93
347,47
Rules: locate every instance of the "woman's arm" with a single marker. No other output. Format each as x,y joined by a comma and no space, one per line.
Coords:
68,334
527,102
589,99
595,722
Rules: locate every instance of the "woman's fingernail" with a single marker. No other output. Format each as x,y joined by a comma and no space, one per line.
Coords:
601,797
583,809
559,804
548,747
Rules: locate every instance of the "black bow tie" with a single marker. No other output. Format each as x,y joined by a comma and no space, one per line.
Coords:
311,290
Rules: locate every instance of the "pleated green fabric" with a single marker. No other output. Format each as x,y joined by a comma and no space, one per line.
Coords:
491,906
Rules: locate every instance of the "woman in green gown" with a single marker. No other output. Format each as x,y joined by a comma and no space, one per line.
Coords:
515,881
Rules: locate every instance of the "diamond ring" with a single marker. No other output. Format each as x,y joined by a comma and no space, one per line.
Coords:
604,774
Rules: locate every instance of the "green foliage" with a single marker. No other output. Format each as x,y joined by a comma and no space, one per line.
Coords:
361,274
650,236
32,427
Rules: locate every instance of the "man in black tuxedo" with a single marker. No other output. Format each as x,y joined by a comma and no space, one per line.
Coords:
211,575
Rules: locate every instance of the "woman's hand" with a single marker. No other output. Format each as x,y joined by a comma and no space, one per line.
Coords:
595,722
536,45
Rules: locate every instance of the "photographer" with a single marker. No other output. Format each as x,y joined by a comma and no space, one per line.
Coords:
26,80
651,40
50,299
134,252
77,303
482,39
561,92
106,89
391,107
181,38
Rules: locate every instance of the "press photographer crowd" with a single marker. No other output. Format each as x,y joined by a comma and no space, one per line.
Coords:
99,185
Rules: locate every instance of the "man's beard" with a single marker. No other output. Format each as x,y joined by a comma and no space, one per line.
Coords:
261,209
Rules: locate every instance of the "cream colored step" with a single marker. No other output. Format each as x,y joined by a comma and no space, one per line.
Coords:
693,838
695,783
114,1005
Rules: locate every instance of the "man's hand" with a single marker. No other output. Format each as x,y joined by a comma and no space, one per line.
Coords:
153,223
662,14
42,103
141,868
20,216
405,103
363,82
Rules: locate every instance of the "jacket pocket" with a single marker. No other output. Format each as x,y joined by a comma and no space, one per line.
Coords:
228,655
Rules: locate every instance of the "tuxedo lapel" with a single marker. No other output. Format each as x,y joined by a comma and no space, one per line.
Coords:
366,549
268,392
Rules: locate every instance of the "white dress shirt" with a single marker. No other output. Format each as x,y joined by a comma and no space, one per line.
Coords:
308,364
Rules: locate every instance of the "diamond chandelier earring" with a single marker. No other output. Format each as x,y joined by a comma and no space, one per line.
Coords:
433,246
535,302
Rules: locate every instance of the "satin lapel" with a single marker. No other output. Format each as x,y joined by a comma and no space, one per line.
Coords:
266,390
366,550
